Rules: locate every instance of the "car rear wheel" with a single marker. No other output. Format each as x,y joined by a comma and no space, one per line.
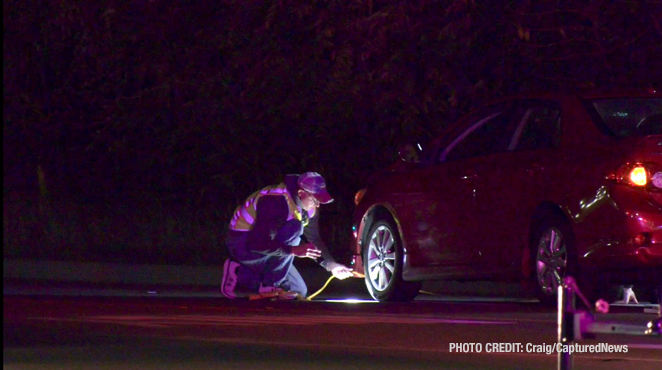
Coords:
383,257
552,257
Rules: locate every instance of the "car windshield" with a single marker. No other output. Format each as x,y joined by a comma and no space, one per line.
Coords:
627,117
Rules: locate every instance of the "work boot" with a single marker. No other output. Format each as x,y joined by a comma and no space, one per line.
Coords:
229,282
279,293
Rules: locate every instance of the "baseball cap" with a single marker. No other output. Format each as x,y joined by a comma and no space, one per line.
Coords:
313,183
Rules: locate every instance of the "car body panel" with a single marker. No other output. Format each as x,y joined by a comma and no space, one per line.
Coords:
474,217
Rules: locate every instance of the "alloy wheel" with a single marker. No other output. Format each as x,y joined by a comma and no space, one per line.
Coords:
381,258
551,261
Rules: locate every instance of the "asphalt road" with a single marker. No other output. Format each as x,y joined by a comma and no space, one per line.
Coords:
158,331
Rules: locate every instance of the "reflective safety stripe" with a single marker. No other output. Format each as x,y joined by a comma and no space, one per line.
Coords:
244,216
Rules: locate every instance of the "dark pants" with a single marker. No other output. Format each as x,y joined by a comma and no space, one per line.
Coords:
257,268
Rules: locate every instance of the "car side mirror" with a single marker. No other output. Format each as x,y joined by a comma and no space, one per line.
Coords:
408,153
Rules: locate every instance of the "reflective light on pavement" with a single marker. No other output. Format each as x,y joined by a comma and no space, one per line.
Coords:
349,301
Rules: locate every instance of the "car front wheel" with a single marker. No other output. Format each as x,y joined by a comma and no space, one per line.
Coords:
383,256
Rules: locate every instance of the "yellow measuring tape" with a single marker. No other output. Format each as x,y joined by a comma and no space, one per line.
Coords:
356,274
310,297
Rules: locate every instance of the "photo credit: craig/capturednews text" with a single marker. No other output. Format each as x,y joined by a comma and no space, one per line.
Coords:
548,349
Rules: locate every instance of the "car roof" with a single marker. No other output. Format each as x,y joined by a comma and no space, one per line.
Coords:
585,93
590,93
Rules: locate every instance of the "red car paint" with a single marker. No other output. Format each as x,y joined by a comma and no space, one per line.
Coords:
473,205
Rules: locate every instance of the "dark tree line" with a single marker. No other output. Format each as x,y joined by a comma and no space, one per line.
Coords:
133,128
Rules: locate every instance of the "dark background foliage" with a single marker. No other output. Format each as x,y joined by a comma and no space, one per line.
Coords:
132,129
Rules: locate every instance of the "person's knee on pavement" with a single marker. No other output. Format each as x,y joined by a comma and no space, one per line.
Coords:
298,287
303,291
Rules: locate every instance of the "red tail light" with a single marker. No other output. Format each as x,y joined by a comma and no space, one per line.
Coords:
641,239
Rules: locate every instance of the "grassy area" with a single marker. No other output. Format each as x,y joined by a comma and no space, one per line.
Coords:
138,230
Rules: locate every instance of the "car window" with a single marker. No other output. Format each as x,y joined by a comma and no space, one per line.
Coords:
487,135
627,117
539,128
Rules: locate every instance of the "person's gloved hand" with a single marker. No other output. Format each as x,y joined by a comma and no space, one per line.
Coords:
307,250
339,271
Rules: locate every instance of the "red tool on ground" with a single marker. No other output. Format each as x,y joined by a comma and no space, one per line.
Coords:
281,295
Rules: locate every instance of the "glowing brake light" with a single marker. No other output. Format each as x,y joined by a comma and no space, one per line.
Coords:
638,176
635,174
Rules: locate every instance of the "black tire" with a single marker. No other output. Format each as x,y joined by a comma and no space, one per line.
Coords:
552,257
590,283
383,258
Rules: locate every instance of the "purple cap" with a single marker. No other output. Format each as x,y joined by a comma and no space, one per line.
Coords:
313,183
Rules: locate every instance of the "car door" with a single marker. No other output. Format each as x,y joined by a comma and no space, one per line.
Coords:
446,213
509,187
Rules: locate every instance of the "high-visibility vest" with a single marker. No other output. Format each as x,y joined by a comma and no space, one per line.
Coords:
244,215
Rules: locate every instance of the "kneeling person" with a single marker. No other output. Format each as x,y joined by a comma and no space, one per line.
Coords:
265,236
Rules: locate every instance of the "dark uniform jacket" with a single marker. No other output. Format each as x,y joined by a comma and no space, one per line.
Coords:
275,221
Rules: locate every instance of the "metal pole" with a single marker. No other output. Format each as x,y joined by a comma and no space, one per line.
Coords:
576,325
566,311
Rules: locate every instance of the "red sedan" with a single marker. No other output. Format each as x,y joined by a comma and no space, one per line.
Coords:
526,188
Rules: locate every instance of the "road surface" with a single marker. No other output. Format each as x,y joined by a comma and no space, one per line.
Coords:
155,330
